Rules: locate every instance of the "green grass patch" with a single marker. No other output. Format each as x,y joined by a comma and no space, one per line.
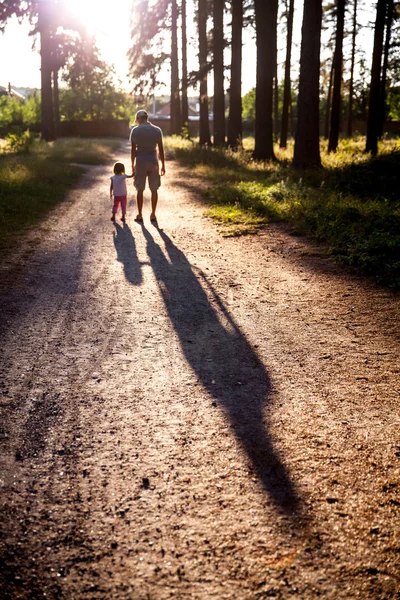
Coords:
235,220
32,184
86,151
352,204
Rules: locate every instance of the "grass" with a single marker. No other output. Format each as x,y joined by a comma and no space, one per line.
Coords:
352,204
32,184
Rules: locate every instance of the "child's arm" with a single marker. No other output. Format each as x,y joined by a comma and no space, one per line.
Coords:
111,189
129,176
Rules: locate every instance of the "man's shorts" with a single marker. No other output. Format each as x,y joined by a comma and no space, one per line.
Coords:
147,169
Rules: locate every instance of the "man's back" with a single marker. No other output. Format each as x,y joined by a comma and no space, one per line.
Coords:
146,137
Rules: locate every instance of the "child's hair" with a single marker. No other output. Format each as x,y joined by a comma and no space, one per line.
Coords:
119,168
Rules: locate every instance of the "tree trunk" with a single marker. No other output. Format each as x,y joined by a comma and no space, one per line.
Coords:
287,85
175,99
374,90
185,103
306,149
337,78
389,20
47,114
235,93
351,86
266,12
218,52
56,100
276,104
328,102
205,138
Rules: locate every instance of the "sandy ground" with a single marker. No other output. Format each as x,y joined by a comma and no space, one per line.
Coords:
189,416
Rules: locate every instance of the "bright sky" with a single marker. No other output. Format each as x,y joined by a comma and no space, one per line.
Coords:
20,65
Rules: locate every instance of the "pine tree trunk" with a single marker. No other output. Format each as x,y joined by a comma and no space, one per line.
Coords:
306,149
351,86
287,84
218,52
175,99
266,12
47,113
276,105
375,86
56,100
328,102
337,79
185,103
235,94
389,20
205,138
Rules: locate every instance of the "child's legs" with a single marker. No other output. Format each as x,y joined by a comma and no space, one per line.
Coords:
117,200
124,202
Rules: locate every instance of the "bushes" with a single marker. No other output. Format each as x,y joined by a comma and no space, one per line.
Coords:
20,142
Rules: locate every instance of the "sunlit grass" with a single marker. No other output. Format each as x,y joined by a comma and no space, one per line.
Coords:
235,220
88,151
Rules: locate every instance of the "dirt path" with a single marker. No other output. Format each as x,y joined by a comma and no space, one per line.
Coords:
188,416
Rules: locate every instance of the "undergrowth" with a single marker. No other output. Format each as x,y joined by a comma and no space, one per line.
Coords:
352,204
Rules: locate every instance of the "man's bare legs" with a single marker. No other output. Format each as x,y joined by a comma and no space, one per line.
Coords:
154,200
139,201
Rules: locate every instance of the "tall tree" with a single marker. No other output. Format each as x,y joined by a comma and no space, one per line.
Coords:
352,65
287,83
266,12
375,86
205,138
235,90
175,102
45,23
276,104
329,101
148,42
185,103
337,78
306,149
389,21
218,59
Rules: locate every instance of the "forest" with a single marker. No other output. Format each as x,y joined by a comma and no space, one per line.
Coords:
349,69
326,102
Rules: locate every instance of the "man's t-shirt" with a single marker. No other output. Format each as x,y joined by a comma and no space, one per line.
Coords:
146,137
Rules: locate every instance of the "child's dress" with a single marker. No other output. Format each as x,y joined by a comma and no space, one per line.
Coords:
120,192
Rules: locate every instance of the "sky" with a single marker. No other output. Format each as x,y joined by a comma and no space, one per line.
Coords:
20,64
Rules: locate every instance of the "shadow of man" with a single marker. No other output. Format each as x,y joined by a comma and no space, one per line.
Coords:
225,363
125,247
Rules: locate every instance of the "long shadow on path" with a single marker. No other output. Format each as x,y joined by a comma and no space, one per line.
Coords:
125,247
225,363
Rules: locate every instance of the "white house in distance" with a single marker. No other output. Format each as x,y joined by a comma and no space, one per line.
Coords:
13,93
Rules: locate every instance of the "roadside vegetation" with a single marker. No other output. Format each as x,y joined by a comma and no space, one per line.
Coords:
35,176
352,204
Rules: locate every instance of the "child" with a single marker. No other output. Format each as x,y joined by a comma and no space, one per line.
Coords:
118,190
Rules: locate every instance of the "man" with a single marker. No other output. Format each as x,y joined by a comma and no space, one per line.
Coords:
145,140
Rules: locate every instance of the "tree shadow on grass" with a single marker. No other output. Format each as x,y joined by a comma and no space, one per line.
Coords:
225,363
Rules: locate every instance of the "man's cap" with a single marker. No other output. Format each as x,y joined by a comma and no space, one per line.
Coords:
141,114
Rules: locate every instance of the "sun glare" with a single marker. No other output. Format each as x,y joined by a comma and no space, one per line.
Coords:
109,24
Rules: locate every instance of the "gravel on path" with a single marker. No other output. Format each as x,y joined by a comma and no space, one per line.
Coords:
190,416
